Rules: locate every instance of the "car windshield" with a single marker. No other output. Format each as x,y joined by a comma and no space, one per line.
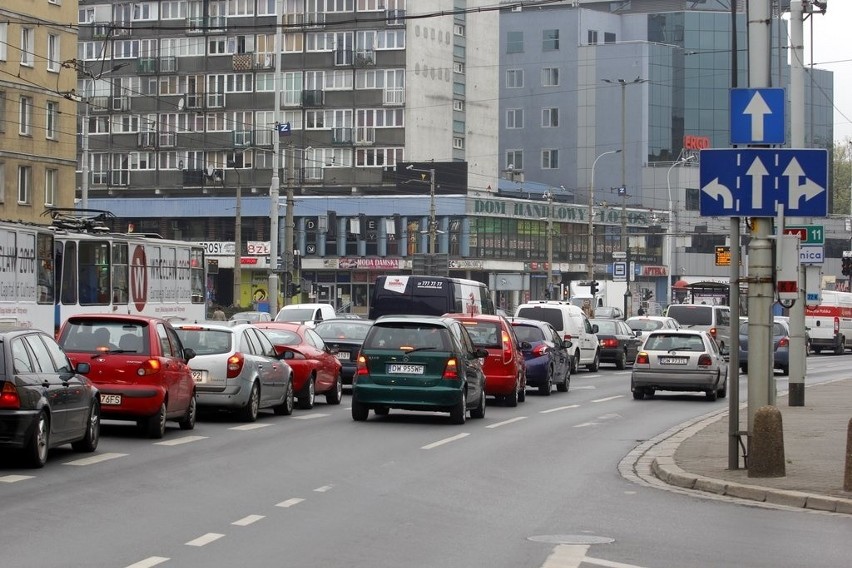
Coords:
407,337
528,333
605,326
553,316
330,330
296,314
484,334
98,335
283,336
666,342
206,341
692,315
645,325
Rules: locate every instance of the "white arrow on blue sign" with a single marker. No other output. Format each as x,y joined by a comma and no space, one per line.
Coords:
757,116
752,182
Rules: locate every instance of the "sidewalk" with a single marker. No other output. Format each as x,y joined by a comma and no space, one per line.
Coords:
696,457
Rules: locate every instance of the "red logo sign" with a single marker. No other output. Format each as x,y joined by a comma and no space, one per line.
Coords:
139,278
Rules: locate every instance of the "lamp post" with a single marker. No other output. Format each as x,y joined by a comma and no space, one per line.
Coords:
549,196
433,220
673,226
590,253
238,238
275,182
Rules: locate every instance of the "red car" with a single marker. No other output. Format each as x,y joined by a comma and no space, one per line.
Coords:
316,370
505,369
139,366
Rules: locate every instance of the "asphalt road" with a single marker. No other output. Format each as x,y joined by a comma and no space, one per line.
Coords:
530,487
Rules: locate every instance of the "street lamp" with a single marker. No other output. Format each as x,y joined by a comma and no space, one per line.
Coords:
673,226
590,253
238,237
549,196
433,222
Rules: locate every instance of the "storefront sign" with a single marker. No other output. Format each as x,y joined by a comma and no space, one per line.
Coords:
466,264
258,248
653,271
558,212
348,262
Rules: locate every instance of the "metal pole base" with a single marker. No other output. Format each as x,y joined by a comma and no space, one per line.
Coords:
797,394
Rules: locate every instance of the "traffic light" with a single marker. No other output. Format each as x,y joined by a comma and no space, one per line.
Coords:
847,265
293,289
593,287
647,294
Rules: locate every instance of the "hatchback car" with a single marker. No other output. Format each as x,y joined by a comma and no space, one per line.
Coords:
680,360
139,365
250,317
548,357
619,344
344,337
236,368
780,346
419,363
504,368
45,401
646,324
315,368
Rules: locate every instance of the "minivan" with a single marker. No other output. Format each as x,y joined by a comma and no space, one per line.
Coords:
715,319
572,324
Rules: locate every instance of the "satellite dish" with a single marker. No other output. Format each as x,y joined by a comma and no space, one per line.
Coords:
210,171
181,103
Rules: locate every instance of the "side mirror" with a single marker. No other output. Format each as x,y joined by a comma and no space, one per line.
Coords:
83,368
188,353
594,328
567,343
480,353
525,345
637,333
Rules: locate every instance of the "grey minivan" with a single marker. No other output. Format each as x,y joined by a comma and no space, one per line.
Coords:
711,318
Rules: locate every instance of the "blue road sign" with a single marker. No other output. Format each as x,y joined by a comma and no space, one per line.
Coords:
752,182
284,128
757,116
619,271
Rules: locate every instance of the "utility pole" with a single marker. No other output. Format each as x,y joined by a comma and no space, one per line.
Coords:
549,197
433,217
288,220
275,184
590,252
238,240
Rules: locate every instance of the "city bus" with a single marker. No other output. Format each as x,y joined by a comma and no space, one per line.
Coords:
429,296
48,273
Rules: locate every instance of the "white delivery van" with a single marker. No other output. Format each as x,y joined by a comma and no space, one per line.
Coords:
309,313
829,324
572,324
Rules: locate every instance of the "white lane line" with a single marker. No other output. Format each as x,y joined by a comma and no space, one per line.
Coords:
309,416
15,478
289,502
566,556
205,539
609,398
558,408
246,521
95,459
584,424
498,424
179,441
583,387
324,488
445,441
608,563
149,562
249,426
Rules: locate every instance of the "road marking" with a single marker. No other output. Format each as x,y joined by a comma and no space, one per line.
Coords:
608,563
289,502
498,424
15,478
609,398
584,424
558,408
583,387
205,539
179,441
149,562
445,441
309,416
323,489
573,555
249,426
246,521
95,459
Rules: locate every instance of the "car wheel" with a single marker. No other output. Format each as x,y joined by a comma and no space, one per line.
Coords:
381,410
89,443
249,412
360,411
155,426
188,420
838,349
544,390
36,450
335,395
817,350
712,394
649,393
522,393
595,365
458,414
286,406
511,400
744,369
575,361
621,361
785,370
638,394
723,392
566,382
479,411
308,395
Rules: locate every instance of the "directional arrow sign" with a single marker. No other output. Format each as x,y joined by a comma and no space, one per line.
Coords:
753,182
757,116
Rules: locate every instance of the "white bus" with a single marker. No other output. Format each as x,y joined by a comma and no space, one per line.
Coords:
50,273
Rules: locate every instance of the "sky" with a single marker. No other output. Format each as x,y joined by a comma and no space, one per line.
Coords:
832,50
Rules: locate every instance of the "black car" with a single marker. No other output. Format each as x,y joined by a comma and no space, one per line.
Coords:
344,337
44,401
619,344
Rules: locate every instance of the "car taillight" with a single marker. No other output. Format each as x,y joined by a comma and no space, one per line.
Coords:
507,348
705,361
149,367
539,350
235,365
362,368
609,343
783,342
9,398
836,325
451,371
567,337
713,332
642,358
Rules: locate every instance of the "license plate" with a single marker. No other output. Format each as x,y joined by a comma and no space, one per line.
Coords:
342,355
673,360
198,376
397,369
110,399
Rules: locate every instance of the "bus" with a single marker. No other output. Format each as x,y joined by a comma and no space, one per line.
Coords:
429,296
75,265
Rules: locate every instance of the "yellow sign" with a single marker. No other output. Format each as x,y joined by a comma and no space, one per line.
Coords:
723,256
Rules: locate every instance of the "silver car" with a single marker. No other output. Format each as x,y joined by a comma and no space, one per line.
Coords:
236,368
680,360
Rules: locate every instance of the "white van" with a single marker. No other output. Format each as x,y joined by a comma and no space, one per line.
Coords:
306,313
572,324
714,319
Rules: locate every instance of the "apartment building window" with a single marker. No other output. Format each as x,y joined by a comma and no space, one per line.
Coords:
25,184
25,117
145,11
592,37
338,5
550,77
458,67
515,118
549,117
458,143
4,39
371,5
53,52
51,178
27,35
173,10
240,8
267,7
514,42
550,40
458,105
609,37
515,160
458,30
51,112
549,159
514,78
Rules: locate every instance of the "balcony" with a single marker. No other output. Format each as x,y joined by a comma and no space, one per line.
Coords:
101,30
314,19
264,60
341,136
193,178
315,98
99,104
394,97
146,66
217,23
242,61
195,25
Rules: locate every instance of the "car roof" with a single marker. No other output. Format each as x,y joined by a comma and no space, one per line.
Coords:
687,332
307,305
478,317
406,318
119,317
654,318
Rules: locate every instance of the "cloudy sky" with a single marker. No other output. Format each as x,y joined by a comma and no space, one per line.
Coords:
832,50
